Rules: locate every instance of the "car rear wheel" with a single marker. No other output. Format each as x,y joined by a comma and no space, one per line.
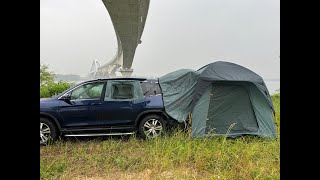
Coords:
48,131
152,126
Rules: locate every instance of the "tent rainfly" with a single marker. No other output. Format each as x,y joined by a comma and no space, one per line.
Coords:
224,99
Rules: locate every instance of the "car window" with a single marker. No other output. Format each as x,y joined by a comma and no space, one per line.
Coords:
150,88
88,91
122,91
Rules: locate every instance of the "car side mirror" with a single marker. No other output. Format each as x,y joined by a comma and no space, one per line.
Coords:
65,97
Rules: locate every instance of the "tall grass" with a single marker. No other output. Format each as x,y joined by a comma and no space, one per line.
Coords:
169,157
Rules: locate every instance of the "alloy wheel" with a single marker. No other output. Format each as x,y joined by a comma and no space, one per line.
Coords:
44,133
152,128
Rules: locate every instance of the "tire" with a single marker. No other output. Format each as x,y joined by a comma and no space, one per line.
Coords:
48,131
151,126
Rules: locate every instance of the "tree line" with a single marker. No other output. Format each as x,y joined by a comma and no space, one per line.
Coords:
49,88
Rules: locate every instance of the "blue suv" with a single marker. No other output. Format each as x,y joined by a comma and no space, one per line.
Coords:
118,106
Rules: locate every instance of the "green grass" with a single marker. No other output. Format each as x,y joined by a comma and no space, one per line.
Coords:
173,157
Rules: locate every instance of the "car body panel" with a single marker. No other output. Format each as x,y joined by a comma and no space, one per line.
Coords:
97,115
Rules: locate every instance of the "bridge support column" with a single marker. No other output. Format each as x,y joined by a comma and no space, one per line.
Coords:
126,72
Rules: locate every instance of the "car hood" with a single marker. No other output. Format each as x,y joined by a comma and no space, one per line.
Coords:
46,99
46,103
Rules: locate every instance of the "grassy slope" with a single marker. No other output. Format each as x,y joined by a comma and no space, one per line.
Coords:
164,158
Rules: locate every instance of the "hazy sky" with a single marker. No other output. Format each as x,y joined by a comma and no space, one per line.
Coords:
178,34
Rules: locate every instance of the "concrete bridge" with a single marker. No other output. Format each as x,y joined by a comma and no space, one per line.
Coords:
128,18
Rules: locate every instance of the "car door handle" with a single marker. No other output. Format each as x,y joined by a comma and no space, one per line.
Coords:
99,103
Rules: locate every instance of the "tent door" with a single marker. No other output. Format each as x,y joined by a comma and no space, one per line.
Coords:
230,104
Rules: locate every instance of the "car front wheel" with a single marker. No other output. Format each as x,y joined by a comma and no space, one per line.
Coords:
48,131
152,126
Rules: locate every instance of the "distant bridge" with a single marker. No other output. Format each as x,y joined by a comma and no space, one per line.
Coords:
128,18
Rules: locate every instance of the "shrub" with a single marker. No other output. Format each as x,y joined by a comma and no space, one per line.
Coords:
48,87
52,89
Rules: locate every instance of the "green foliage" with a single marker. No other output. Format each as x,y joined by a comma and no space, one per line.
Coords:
52,89
48,87
44,91
45,75
57,88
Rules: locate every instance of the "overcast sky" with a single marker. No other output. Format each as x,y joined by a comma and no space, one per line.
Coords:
178,34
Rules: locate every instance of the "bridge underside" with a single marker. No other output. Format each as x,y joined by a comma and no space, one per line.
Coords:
128,18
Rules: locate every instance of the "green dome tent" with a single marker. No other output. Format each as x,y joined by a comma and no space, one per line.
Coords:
224,98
